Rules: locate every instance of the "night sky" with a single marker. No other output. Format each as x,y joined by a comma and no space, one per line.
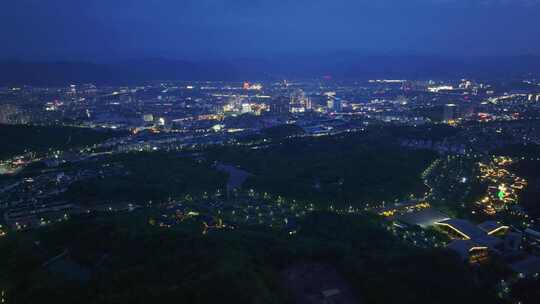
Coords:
210,29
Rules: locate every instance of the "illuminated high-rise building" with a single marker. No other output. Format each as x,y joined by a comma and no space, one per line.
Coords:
308,104
330,104
148,118
334,104
338,105
450,112
280,105
246,108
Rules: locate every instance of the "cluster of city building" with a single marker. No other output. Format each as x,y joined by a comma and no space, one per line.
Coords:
504,186
176,115
202,105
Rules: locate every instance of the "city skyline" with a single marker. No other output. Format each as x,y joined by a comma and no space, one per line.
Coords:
258,151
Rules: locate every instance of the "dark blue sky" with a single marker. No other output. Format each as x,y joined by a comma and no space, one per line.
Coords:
210,29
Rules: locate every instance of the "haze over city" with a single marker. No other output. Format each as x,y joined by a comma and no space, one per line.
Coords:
217,29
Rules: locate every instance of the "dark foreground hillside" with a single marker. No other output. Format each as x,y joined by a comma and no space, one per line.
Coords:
123,259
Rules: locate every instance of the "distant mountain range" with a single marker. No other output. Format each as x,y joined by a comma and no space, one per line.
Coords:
338,65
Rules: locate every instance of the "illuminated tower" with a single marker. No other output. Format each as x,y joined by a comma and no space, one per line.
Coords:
450,111
309,105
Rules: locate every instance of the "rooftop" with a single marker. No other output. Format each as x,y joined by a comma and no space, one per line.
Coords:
464,228
424,217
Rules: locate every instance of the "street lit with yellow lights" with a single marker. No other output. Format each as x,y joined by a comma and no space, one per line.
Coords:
503,186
